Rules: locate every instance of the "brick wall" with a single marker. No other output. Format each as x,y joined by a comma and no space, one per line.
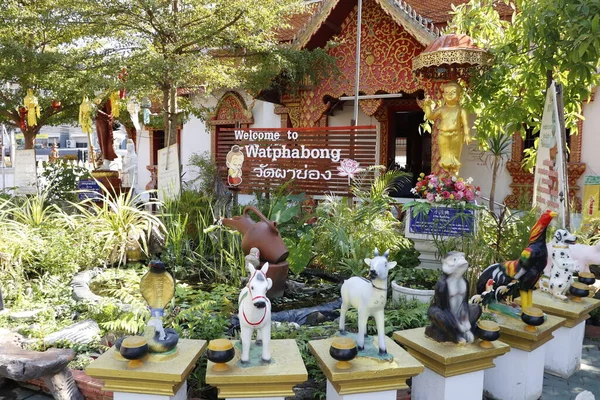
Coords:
91,388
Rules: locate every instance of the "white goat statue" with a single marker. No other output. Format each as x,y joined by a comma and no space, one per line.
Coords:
255,310
369,298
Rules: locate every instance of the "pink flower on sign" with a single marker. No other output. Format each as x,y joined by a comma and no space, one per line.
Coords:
459,185
349,168
430,197
459,195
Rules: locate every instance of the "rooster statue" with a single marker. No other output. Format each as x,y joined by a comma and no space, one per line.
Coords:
527,269
488,295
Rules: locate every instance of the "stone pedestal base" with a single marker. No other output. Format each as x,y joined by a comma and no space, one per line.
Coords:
518,375
427,253
255,398
430,385
452,371
154,380
563,353
272,381
367,377
180,395
332,394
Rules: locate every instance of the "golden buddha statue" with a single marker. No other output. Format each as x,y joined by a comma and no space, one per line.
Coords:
453,126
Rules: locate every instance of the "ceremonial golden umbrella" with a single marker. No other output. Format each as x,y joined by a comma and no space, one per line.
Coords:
450,57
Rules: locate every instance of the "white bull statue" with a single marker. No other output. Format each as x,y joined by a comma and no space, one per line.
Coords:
368,296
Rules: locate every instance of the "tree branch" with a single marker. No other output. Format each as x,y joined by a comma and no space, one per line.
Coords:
180,49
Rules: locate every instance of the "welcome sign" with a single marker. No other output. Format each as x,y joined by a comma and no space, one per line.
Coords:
263,159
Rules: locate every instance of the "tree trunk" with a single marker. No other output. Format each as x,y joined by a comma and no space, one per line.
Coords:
29,135
172,133
165,107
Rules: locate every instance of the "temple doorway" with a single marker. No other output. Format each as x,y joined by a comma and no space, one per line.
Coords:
410,149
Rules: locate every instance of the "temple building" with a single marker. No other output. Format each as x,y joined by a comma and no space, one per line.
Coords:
394,33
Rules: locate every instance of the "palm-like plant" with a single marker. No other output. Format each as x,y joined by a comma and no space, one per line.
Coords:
346,233
497,149
121,219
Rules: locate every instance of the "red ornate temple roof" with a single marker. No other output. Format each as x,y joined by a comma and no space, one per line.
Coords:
434,11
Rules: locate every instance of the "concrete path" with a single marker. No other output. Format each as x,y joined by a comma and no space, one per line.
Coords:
588,377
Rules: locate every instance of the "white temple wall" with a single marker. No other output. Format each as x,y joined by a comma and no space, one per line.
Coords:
590,145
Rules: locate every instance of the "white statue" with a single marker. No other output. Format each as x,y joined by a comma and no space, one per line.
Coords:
563,264
369,298
133,107
255,308
129,173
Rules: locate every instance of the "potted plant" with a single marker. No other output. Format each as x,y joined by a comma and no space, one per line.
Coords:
414,284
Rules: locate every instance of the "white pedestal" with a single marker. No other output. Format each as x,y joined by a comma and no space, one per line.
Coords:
430,385
518,375
180,395
563,353
255,398
332,394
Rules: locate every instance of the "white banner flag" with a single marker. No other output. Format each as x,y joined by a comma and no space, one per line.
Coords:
549,187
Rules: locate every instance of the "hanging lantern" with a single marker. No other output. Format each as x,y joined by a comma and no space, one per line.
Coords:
145,105
23,117
122,75
56,104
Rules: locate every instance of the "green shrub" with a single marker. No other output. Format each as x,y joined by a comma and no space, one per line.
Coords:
60,180
346,233
418,278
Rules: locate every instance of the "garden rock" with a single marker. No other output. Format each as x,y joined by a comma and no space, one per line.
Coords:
24,315
81,286
82,332
51,366
10,338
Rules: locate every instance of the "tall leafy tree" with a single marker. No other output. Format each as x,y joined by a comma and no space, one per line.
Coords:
193,44
42,48
543,40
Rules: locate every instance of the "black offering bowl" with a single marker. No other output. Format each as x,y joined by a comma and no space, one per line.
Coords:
343,350
220,351
487,331
134,348
579,290
533,317
587,278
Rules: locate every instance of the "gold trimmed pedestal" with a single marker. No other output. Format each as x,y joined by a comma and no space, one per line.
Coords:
165,380
563,352
452,371
367,378
519,375
272,381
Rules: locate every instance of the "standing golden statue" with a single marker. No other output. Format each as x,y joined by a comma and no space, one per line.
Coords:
453,126
33,108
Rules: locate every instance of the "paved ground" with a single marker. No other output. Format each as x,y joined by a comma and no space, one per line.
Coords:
555,388
588,378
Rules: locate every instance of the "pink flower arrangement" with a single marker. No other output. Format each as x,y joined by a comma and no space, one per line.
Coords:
436,189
